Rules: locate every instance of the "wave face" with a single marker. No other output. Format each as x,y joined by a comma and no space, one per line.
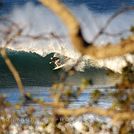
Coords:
35,20
35,70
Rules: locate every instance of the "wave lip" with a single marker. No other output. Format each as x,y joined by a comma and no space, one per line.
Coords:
35,20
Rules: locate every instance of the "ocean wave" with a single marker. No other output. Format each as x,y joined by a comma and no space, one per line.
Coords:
35,20
35,70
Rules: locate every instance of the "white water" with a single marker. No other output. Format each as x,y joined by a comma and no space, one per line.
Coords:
35,20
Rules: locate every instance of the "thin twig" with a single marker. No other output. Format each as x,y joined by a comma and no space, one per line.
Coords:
76,36
116,34
46,36
116,14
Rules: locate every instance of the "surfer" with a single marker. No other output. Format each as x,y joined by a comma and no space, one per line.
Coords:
56,61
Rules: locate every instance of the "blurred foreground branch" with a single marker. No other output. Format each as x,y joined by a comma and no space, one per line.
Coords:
13,70
62,94
110,50
115,115
9,39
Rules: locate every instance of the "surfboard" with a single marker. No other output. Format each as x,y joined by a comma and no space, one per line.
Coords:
60,66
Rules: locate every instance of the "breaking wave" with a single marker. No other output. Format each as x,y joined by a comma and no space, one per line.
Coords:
36,20
35,70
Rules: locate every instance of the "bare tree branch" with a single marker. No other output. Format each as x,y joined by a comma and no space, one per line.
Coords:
116,14
116,34
7,60
115,115
125,46
13,70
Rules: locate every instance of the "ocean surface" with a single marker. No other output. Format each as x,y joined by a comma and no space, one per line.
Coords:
32,57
